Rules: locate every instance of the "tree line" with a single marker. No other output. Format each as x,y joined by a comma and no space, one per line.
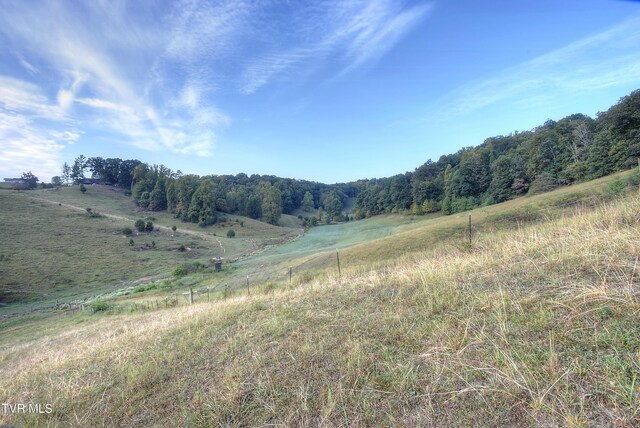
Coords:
573,149
201,200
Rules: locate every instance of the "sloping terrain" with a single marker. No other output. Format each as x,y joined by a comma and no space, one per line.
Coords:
54,250
533,324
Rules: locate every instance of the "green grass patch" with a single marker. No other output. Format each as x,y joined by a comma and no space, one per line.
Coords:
535,323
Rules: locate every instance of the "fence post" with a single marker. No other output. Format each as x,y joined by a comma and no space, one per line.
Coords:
469,230
226,286
208,290
338,258
248,291
191,295
290,268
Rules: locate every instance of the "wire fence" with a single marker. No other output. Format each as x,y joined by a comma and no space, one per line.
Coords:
266,278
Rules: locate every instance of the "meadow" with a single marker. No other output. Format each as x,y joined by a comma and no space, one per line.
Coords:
54,250
533,323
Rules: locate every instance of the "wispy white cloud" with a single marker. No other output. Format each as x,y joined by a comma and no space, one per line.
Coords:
606,59
147,74
350,34
102,54
27,65
26,145
378,28
19,96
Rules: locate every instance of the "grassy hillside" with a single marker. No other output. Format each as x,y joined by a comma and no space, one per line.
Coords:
534,324
384,239
53,250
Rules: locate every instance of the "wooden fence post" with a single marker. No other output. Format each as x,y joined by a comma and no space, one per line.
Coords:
248,291
191,295
338,258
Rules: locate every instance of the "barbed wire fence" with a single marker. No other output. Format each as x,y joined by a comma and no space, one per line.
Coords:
267,279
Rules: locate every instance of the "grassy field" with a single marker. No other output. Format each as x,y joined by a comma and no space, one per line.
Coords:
383,239
535,323
53,250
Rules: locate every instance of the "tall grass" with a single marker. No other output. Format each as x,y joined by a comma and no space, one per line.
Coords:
533,325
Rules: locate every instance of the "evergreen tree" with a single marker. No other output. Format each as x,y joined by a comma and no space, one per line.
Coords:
307,202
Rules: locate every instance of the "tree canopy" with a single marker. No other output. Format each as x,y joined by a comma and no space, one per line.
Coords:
576,148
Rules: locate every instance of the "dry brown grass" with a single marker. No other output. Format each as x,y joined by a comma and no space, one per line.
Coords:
533,326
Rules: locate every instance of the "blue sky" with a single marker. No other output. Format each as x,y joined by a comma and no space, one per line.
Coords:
330,91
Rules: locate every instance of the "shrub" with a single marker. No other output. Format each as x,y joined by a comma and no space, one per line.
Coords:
131,243
180,271
182,248
174,228
231,233
188,268
99,306
149,226
140,225
82,188
127,231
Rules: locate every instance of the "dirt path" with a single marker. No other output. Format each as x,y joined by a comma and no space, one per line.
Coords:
119,217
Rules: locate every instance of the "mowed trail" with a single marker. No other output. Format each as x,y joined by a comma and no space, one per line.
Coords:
123,218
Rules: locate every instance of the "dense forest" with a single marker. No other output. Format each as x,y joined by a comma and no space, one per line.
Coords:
196,199
575,148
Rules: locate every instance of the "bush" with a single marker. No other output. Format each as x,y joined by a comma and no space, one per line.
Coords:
182,248
149,226
99,306
140,225
127,231
231,233
188,268
174,228
180,271
82,188
131,243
